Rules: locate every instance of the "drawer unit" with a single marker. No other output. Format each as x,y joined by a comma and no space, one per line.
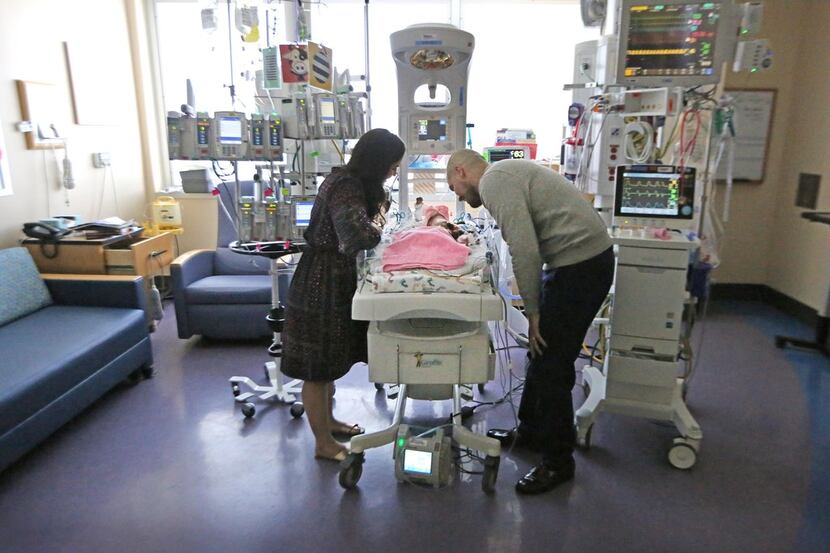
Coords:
144,257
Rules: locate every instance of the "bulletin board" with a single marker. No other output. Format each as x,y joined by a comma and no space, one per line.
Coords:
754,112
43,105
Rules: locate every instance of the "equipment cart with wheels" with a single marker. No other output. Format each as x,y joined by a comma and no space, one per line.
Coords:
432,346
640,373
282,392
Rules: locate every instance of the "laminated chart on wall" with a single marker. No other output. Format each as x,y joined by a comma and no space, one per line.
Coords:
320,75
753,123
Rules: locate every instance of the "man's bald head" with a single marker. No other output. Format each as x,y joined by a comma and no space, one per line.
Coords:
464,171
469,159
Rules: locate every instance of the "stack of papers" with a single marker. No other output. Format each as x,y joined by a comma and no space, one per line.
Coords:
111,226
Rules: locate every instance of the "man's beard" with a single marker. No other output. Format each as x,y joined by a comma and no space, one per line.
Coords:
472,197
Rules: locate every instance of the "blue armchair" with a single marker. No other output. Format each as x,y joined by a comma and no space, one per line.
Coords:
219,293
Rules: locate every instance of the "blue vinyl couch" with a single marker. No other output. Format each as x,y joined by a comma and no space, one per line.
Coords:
65,340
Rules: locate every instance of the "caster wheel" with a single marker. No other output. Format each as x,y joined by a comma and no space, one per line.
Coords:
351,471
235,390
248,410
148,372
466,412
297,410
491,473
585,443
481,388
682,456
378,386
134,377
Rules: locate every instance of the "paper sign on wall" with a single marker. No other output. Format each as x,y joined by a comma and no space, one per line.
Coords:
321,66
294,63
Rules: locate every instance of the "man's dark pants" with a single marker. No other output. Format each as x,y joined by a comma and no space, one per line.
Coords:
571,297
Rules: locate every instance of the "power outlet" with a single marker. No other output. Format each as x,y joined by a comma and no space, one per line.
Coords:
101,159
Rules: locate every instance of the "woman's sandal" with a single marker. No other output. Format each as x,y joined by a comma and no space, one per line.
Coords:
350,432
339,457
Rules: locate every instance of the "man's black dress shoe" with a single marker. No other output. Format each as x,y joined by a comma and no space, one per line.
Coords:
543,478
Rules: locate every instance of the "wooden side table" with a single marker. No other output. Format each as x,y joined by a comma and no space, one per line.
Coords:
125,254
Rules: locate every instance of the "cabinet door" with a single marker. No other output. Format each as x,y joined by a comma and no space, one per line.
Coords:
648,302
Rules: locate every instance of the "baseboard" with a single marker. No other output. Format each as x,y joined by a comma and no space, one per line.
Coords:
763,293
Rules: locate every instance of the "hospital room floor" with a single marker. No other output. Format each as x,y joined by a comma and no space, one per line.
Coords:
171,465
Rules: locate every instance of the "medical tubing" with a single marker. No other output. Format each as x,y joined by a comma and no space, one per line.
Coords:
225,209
646,133
730,167
605,113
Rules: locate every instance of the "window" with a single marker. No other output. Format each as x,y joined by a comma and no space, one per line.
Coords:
523,57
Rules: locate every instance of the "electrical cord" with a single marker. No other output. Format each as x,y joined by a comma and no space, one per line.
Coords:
638,134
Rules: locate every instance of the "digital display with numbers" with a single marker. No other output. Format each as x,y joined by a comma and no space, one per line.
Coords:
672,39
493,155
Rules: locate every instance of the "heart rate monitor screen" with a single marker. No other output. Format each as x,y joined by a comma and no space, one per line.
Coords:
419,462
660,191
432,129
230,130
302,213
672,40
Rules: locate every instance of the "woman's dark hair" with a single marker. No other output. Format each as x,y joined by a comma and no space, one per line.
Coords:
372,157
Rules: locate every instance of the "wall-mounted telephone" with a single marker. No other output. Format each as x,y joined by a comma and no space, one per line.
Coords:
44,231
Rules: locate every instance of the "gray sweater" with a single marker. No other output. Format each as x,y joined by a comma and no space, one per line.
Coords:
543,219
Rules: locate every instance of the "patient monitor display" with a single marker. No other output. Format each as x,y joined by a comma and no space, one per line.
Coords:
418,462
500,153
432,129
662,192
671,42
302,213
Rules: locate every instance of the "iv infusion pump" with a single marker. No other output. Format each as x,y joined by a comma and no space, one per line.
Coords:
266,138
231,135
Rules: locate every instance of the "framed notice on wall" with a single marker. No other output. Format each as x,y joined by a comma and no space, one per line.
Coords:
754,111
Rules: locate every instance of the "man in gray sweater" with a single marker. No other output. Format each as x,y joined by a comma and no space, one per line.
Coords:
545,221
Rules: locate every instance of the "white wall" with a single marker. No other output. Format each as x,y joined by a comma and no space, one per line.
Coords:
31,36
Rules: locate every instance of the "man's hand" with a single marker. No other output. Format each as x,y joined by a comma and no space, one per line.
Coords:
537,343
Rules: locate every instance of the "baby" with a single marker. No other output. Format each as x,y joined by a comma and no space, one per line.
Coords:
439,217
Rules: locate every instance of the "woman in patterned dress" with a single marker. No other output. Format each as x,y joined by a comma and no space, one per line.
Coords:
321,342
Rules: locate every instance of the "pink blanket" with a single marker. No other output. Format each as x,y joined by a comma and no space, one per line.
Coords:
424,248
